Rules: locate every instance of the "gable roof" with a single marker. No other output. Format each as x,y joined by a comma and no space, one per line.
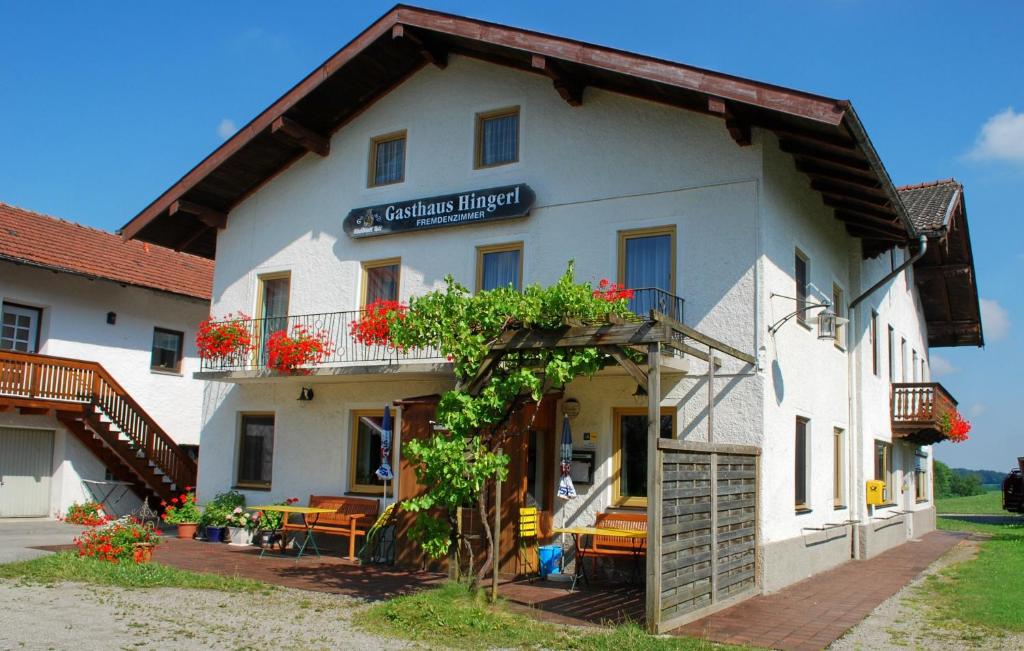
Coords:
930,205
945,275
39,240
825,136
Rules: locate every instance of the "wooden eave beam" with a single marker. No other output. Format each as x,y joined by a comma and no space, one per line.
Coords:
291,131
431,52
943,271
187,241
209,216
850,193
738,129
700,337
870,233
568,87
825,152
859,209
626,363
829,172
693,352
875,222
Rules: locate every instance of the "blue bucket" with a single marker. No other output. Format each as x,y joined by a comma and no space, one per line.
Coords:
214,534
549,556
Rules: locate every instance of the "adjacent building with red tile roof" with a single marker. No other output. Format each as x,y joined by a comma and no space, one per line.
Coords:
31,238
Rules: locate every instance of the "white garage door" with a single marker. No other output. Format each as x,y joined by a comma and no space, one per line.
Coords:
26,461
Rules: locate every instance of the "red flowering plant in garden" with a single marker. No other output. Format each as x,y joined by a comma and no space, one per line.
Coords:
954,426
118,541
373,327
226,337
90,514
182,509
611,292
303,347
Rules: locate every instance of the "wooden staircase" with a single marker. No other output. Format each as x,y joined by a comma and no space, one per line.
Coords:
98,411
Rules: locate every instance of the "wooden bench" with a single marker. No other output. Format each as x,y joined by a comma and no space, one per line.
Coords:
352,517
609,547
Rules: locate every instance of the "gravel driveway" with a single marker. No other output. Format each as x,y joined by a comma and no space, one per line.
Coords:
85,618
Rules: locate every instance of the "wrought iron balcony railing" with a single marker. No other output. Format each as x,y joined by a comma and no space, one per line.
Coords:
646,299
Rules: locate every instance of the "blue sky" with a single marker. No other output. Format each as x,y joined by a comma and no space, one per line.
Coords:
103,105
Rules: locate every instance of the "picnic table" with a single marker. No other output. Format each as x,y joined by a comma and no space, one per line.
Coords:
636,537
305,511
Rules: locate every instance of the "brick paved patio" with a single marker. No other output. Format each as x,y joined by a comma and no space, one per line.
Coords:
817,611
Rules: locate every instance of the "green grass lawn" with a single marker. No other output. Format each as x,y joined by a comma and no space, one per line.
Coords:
453,617
989,503
985,591
68,566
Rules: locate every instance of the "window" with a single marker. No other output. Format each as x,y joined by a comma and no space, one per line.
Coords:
167,350
647,258
924,369
367,426
840,310
380,280
387,159
892,354
629,446
914,367
838,464
271,308
256,451
883,468
497,137
874,342
499,266
800,476
921,478
801,274
903,360
19,330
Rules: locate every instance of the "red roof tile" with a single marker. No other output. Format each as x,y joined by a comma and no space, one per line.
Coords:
32,238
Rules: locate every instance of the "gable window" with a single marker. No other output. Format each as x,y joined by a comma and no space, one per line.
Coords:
801,273
800,470
883,468
387,159
167,350
497,137
840,310
629,449
499,266
874,342
19,329
647,259
256,451
380,280
367,426
838,476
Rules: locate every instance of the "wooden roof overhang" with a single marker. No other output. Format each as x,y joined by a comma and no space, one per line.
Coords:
824,136
948,285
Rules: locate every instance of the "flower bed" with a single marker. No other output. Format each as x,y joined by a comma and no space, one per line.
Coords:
90,514
118,541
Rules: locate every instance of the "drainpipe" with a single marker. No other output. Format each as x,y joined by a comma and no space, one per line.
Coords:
854,361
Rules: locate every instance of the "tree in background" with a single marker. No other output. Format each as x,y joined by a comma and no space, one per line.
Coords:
950,483
943,480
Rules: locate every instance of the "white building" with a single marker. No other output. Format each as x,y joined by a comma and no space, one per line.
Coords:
97,333
742,199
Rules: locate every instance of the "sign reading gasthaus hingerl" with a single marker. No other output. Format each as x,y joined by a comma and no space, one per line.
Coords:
469,207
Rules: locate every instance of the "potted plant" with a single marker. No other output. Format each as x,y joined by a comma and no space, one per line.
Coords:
226,338
117,541
184,513
286,353
373,328
268,525
954,427
216,512
241,524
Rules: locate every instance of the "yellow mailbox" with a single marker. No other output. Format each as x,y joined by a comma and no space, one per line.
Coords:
876,492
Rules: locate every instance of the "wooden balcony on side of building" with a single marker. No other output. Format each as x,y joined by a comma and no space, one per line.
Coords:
917,411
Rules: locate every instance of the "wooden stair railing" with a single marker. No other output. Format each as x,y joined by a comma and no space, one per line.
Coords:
46,381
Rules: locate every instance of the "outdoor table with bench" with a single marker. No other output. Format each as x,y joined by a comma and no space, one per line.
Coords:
348,517
307,526
636,538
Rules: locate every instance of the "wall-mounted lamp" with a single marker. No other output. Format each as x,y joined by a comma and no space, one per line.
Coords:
306,394
111,318
571,407
828,321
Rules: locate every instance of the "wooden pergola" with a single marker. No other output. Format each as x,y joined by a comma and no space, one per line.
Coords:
654,336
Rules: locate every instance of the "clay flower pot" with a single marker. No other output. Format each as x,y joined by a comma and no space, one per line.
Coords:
187,530
143,552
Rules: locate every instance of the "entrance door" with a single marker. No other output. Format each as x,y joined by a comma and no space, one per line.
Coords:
26,461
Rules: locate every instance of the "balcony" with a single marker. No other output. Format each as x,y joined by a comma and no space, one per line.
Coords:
917,411
348,354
